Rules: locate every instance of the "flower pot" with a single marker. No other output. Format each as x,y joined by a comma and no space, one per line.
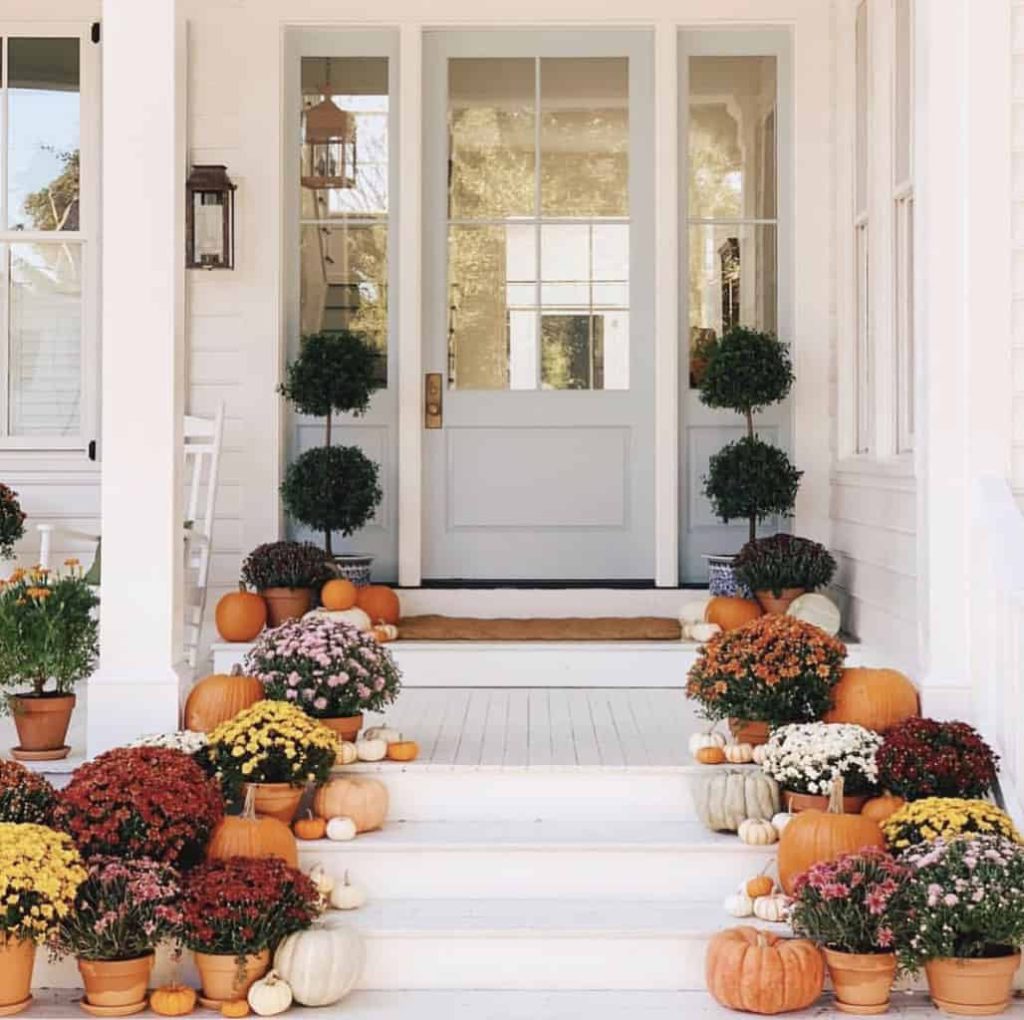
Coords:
276,800
794,803
116,983
346,726
749,731
722,578
862,981
17,957
975,987
285,604
222,976
778,605
353,567
42,724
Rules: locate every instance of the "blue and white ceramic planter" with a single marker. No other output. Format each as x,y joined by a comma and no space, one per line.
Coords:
354,568
722,578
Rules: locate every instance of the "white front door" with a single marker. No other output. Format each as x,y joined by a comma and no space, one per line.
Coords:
538,289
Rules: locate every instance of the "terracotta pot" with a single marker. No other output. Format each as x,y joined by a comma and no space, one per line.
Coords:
116,982
346,726
277,800
285,604
223,979
42,724
794,803
751,732
862,981
17,959
979,987
774,605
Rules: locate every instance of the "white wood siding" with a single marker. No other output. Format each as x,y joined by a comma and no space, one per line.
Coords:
1017,44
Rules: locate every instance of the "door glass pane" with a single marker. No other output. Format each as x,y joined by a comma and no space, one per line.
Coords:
862,57
45,340
902,92
43,134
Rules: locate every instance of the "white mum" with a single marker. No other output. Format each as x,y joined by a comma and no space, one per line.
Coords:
807,757
188,741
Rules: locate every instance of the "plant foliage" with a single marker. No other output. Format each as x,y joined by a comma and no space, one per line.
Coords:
24,795
334,372
746,372
12,521
285,565
784,561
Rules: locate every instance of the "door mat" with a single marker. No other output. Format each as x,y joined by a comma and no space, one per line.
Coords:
572,628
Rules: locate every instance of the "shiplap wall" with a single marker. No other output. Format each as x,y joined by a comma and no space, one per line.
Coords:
1017,43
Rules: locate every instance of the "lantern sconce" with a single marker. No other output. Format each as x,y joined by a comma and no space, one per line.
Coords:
209,219
328,143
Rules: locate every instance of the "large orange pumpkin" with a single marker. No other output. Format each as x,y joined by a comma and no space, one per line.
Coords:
878,699
252,835
878,809
755,971
363,800
219,697
815,836
240,615
731,613
338,593
380,603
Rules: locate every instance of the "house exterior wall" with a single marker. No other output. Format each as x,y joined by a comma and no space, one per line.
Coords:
1017,122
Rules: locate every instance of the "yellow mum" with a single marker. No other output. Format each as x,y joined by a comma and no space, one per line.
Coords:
932,818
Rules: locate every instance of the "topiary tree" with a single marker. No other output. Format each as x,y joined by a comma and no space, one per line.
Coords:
747,371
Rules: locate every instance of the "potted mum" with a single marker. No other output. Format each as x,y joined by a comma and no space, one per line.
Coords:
923,821
12,521
235,912
856,909
285,574
40,872
806,759
122,911
48,642
967,903
277,749
24,795
781,568
330,670
769,672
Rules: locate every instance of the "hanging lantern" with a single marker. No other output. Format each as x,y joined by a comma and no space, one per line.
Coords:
328,143
209,219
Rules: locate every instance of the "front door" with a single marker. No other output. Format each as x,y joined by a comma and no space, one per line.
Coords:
539,322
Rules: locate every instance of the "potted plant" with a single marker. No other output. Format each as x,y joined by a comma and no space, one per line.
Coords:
333,488
967,908
771,671
274,747
805,759
12,521
285,574
923,821
141,802
48,642
927,758
24,795
40,872
332,671
189,742
122,911
235,912
856,909
749,479
780,568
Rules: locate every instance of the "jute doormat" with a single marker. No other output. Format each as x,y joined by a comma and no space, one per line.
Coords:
573,628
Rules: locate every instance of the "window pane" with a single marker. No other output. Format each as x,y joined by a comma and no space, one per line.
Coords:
903,92
491,123
43,134
732,146
861,56
584,136
45,386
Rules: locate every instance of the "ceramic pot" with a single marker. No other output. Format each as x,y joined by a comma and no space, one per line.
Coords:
862,981
778,605
17,958
975,987
749,731
115,983
722,578
794,803
224,979
353,567
346,726
276,800
285,604
42,725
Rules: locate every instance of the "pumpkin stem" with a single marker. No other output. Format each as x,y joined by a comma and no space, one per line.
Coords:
835,798
249,807
236,670
762,939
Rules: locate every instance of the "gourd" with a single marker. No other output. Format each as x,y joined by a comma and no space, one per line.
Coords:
309,827
703,632
739,754
759,885
757,832
338,594
731,613
348,895
234,1008
385,733
780,820
219,697
710,756
878,809
760,753
371,750
346,753
323,880
252,835
354,617
757,972
270,995
739,905
730,796
363,799
693,611
878,699
708,738
321,964
772,907
341,829
382,633
816,836
240,615
403,750
173,1000
380,603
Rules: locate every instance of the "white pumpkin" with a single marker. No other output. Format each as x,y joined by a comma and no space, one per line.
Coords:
703,631
757,832
385,733
727,796
772,908
706,738
347,895
817,609
780,820
322,964
341,829
760,753
323,880
739,905
373,749
738,754
346,753
354,617
270,995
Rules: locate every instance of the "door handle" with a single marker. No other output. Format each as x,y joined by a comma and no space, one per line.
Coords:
433,401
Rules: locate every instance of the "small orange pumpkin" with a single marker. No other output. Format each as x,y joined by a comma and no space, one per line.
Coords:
380,603
240,615
731,613
710,755
252,835
403,750
234,1008
877,699
760,885
338,593
220,697
173,1000
878,809
310,827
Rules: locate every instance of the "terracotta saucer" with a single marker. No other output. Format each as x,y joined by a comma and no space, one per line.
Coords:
56,755
132,1007
213,1004
17,1007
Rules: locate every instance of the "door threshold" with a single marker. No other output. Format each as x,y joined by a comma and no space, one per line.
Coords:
643,584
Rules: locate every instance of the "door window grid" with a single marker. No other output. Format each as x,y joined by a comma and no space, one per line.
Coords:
903,221
862,368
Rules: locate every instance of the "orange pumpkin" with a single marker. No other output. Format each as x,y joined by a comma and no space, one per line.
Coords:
234,1008
815,836
754,971
403,750
173,1000
878,809
338,593
219,697
240,615
360,798
710,755
731,613
252,835
760,885
878,699
310,827
380,603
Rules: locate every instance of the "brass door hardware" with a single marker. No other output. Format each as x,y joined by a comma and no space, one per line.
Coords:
433,402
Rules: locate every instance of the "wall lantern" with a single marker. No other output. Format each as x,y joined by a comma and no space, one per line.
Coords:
328,143
209,219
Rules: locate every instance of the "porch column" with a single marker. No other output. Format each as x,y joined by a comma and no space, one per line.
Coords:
136,688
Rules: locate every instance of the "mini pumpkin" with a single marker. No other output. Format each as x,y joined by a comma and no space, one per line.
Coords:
739,905
759,885
710,755
234,1008
240,615
341,829
173,1000
270,995
354,617
757,832
347,895
346,753
371,750
739,754
361,798
323,880
702,632
382,633
774,907
384,732
403,750
780,820
731,613
760,753
310,827
339,593
705,738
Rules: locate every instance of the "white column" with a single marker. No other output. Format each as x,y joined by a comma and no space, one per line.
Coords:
136,688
